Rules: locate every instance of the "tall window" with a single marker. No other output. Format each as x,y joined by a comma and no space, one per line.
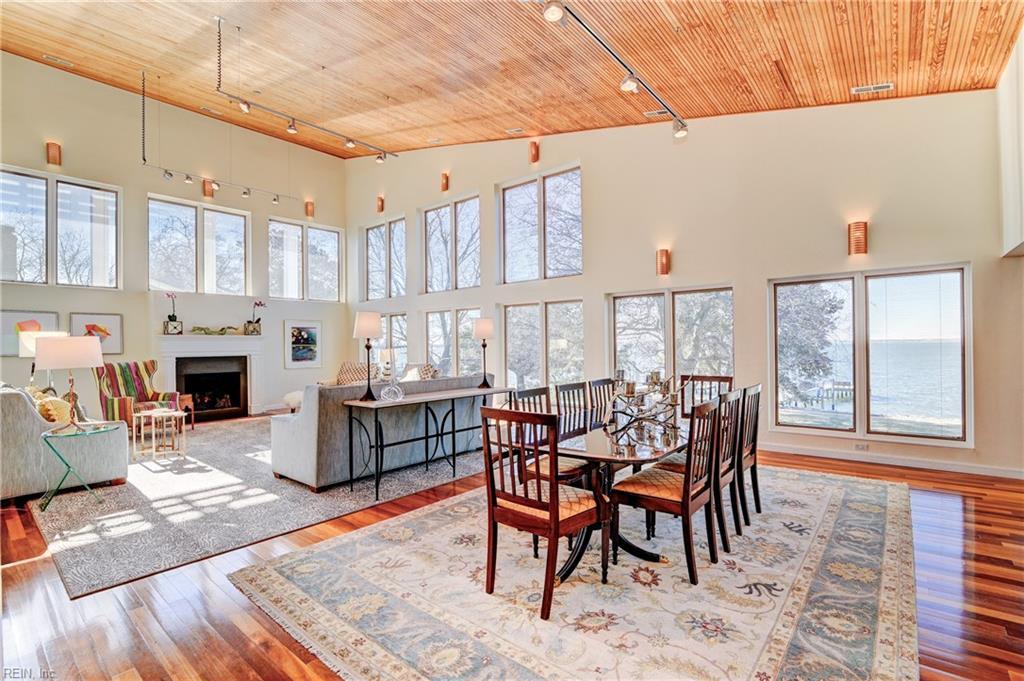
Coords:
305,261
639,323
542,227
23,227
703,332
468,348
915,342
86,236
385,260
393,337
224,237
172,246
439,341
814,354
452,246
564,340
522,346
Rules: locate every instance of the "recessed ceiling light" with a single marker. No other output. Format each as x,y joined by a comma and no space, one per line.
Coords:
58,60
434,140
514,131
553,10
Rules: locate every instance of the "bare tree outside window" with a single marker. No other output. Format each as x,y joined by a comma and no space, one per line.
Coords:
439,341
522,346
563,224
224,234
467,247
703,332
469,347
323,259
376,264
285,259
172,246
639,335
86,236
438,223
398,339
565,342
521,232
22,228
396,260
814,354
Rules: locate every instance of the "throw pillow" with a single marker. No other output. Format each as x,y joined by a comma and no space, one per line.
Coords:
355,372
54,409
428,371
79,410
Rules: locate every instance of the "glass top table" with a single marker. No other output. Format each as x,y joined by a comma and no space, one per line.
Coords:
53,437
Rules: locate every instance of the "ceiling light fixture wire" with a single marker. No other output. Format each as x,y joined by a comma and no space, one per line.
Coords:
275,112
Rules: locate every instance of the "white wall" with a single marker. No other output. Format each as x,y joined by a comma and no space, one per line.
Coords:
742,200
1010,98
99,129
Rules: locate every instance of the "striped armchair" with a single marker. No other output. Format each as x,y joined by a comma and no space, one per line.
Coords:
127,387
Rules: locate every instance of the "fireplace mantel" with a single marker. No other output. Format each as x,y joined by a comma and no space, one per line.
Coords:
169,348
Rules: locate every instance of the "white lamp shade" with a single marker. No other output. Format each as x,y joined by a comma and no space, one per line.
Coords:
483,328
69,352
27,341
367,325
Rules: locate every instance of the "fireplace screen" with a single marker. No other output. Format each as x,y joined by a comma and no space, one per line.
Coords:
218,385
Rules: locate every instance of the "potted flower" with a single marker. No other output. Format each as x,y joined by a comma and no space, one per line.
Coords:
252,327
172,327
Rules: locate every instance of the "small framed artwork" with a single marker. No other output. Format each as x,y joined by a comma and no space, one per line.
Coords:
13,321
107,326
302,345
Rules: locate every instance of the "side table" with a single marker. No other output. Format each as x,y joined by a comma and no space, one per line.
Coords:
166,432
52,438
187,405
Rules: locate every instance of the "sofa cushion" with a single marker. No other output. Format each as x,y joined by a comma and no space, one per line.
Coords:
54,409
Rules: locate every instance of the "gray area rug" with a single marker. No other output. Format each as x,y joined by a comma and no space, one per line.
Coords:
222,496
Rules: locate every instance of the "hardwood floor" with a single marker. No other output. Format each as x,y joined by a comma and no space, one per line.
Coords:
191,623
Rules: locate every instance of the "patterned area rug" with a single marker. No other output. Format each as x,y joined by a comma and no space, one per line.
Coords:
223,495
821,587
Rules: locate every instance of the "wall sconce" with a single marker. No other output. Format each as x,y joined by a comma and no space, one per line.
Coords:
857,237
310,209
664,261
534,152
444,182
53,155
208,188
380,203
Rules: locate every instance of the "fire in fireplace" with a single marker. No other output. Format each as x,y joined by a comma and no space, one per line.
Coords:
218,385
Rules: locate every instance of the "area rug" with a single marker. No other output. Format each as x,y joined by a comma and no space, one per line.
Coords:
221,496
820,587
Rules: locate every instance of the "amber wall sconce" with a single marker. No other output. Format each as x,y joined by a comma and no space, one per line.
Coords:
53,154
664,261
444,182
534,152
310,209
380,203
857,238
208,188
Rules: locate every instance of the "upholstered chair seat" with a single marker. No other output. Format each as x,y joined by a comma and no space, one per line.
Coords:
653,482
571,501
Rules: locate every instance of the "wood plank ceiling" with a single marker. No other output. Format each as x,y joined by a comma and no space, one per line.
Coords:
407,75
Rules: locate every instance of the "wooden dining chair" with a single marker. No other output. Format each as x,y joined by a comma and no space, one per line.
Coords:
682,494
513,442
571,397
601,392
748,449
696,389
537,400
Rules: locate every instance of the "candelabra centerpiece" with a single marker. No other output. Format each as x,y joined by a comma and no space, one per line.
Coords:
641,413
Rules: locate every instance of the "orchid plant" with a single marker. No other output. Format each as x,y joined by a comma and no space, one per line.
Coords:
257,304
173,317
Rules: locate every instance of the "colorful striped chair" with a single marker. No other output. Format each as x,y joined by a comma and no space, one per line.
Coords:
127,387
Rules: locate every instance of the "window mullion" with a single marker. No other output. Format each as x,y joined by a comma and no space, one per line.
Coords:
542,241
50,264
453,248
860,355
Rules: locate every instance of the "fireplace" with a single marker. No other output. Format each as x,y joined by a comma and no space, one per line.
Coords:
219,385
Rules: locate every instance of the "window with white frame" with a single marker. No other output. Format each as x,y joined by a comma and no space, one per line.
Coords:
393,337
304,261
224,244
172,246
703,332
523,346
544,343
467,348
384,248
83,227
638,324
542,227
910,344
452,239
439,341
450,343
564,341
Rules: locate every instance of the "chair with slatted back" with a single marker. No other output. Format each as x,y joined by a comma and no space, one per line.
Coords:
513,441
696,389
747,452
601,391
537,400
682,494
571,397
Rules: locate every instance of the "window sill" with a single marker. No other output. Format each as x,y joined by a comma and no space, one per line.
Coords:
810,431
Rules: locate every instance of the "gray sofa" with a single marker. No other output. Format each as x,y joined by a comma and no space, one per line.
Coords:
311,446
27,467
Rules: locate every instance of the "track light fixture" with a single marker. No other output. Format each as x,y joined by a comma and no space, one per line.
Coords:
291,129
679,128
188,179
380,158
276,200
554,11
244,106
168,175
246,193
630,84
216,185
349,144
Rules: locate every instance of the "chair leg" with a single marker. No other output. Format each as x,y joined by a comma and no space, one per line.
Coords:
720,515
549,578
536,546
742,487
709,521
757,491
604,551
691,557
615,534
735,503
492,555
568,540
649,524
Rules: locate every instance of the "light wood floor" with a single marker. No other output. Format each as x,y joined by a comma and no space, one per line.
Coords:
191,623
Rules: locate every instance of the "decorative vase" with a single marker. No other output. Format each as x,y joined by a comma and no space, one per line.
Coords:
252,329
392,392
172,327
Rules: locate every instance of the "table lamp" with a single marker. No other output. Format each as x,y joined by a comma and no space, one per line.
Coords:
368,327
483,328
27,348
69,352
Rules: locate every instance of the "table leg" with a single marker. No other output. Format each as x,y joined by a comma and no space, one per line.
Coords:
377,455
351,466
426,436
68,470
454,432
576,555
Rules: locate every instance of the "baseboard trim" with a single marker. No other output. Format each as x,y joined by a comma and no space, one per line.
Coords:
895,460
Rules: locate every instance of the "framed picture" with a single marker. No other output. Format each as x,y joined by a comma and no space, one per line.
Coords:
107,326
302,345
9,321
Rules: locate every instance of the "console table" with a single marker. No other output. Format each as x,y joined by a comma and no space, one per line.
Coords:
378,441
